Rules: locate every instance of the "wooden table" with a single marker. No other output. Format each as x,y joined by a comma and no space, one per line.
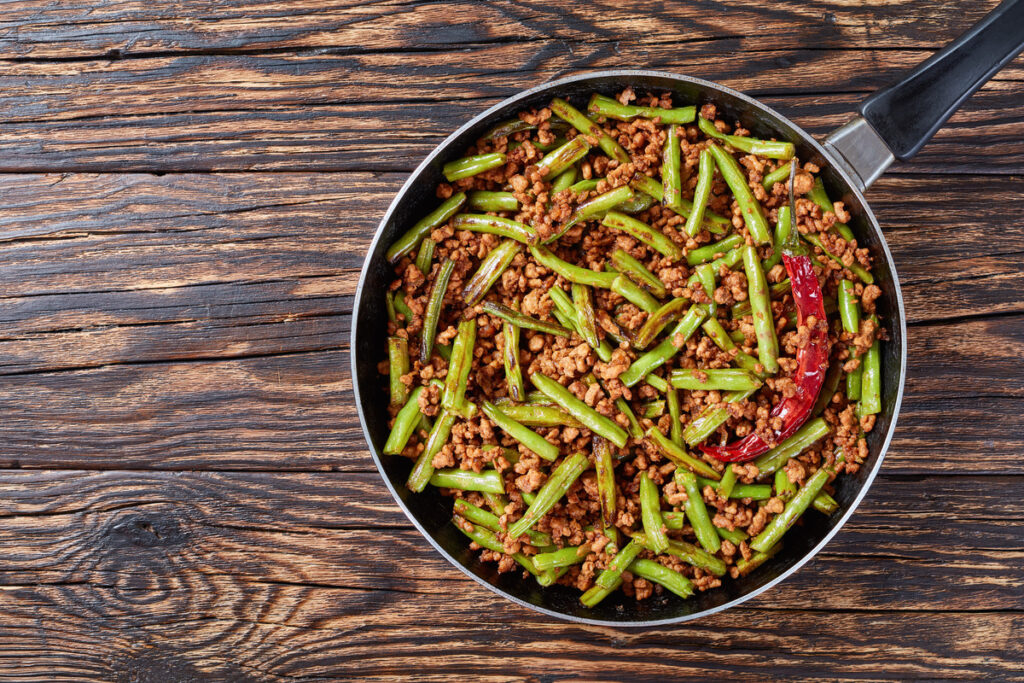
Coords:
188,191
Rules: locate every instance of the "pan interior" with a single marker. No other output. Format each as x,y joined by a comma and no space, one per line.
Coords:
432,513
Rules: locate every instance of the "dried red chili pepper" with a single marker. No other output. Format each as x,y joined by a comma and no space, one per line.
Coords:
812,358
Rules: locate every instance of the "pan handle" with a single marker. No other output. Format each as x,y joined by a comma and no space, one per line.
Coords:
898,120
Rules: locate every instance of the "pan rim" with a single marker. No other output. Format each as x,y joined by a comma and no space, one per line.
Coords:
554,86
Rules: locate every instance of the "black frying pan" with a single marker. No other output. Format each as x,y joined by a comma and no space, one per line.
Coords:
894,123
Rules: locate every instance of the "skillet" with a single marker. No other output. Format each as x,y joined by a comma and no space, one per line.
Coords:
893,123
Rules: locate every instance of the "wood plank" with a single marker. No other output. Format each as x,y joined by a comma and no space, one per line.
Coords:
396,136
927,544
75,29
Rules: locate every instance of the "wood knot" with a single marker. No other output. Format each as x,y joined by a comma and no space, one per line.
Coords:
145,531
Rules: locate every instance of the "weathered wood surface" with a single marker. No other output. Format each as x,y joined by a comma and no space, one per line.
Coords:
185,492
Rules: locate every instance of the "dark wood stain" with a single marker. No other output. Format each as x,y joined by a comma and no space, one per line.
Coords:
189,190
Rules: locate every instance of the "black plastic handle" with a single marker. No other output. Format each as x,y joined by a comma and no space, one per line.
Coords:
907,113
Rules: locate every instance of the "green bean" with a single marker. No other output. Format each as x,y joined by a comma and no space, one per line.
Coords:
456,381
629,266
705,273
761,306
697,557
702,193
424,467
676,428
521,433
604,470
783,228
540,416
411,239
849,312
529,497
828,388
563,557
445,351
425,255
563,157
435,302
729,260
491,522
734,536
657,382
563,181
712,221
466,480
776,291
862,273
641,201
784,488
577,120
389,304
635,294
485,200
491,269
660,574
756,560
485,538
728,483
650,514
611,578
661,353
711,418
594,207
871,382
513,316
736,179
398,365
612,109
591,419
855,382
572,273
566,309
763,148
471,166
825,503
820,197
718,379
801,440
794,508
713,329
496,225
752,491
517,125
510,356
585,185
557,485
653,238
697,512
406,421
707,253
657,321
671,175
678,455
402,308
779,175
653,409
634,429
585,320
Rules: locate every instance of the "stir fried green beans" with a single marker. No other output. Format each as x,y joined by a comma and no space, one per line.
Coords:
521,433
604,470
776,291
424,467
660,574
461,361
425,255
676,428
561,158
577,120
708,253
728,483
678,455
779,175
398,365
871,382
862,273
794,508
496,225
612,109
714,330
764,148
784,488
724,379
522,320
801,440
563,557
761,307
594,208
540,416
490,270
557,485
572,273
611,578
488,480
752,491
671,175
485,200
697,512
820,197
849,312
585,319
641,231
463,508
434,303
593,420
697,557
405,244
638,273
470,166
702,193
650,514
736,179
657,321
635,294
510,358
745,566
406,421
660,354
783,228
712,221
711,418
